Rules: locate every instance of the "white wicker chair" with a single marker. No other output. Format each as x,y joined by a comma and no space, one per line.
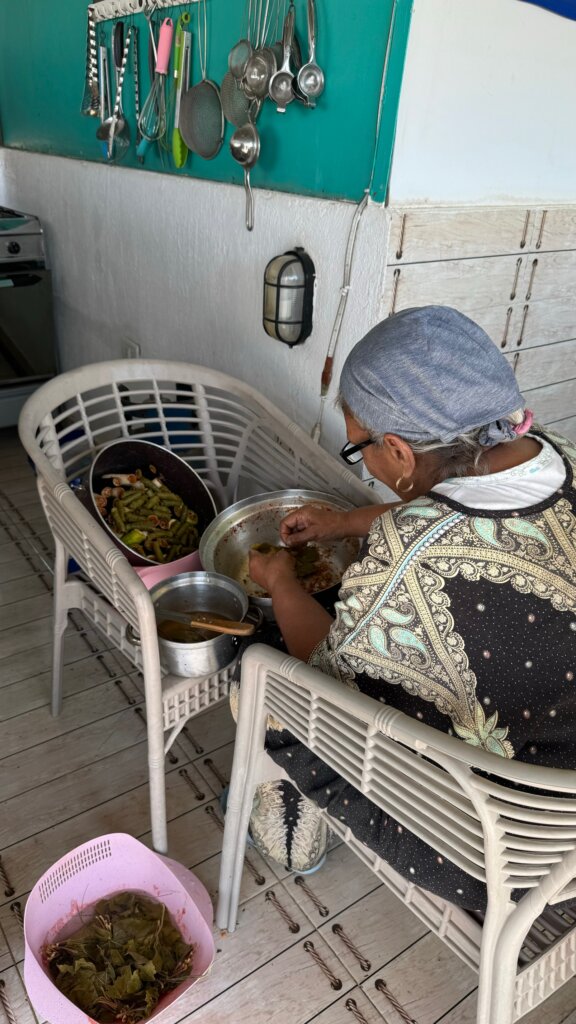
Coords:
504,836
235,439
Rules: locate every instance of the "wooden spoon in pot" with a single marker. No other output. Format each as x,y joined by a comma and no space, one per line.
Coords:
207,621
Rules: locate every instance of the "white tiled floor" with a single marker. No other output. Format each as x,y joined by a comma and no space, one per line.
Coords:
65,780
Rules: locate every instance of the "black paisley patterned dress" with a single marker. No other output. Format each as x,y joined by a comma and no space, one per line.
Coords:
466,619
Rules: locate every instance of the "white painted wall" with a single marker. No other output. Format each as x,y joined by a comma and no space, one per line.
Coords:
487,105
168,262
486,116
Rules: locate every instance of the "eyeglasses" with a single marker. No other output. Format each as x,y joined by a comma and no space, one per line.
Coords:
350,451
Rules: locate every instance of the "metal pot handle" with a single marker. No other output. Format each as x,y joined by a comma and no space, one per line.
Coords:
255,615
132,636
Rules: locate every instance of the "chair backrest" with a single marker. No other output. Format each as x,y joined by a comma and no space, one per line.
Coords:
507,823
229,433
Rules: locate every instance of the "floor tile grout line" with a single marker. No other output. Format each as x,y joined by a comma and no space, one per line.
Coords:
93,807
459,1003
331,916
70,732
122,675
78,693
67,664
301,937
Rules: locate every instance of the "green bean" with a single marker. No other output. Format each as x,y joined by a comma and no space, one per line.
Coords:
181,531
129,497
118,520
133,537
153,521
136,502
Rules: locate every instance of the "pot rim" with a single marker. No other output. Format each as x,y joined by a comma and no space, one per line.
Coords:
201,576
300,495
142,560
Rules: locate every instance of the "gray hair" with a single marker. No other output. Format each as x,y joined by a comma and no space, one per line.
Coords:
456,457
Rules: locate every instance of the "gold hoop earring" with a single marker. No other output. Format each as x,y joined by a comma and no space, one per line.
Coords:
399,490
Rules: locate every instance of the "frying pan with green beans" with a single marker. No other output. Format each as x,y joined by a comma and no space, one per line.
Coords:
151,502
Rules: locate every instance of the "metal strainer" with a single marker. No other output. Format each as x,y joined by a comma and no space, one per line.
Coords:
201,118
235,103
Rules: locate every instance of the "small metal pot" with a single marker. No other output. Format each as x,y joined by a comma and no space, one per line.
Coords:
199,592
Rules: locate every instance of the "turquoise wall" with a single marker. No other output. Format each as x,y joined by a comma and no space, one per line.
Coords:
333,150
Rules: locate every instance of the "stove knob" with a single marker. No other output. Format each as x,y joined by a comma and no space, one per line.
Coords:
13,248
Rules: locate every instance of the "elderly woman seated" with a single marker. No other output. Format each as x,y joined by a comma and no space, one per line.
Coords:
460,609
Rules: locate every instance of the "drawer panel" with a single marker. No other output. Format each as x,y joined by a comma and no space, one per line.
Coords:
552,403
452,233
565,427
465,284
542,323
554,228
549,364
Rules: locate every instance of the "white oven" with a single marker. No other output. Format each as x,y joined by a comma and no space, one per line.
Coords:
27,337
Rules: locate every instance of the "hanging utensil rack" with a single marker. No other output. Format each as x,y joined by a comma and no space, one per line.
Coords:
106,10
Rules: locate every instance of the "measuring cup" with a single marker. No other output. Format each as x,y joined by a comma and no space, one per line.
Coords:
311,77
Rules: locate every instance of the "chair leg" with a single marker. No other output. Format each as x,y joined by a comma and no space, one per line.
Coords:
155,735
233,849
60,624
501,942
248,752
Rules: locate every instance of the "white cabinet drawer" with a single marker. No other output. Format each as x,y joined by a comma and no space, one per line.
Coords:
483,289
549,364
549,275
552,403
451,233
554,228
567,428
541,323
465,284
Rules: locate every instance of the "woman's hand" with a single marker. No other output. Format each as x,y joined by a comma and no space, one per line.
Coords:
312,523
271,570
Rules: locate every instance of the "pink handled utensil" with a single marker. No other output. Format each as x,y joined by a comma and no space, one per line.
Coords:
152,120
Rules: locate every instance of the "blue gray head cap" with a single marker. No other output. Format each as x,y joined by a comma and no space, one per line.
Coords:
430,374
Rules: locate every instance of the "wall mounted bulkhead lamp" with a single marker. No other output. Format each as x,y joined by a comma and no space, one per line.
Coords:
288,297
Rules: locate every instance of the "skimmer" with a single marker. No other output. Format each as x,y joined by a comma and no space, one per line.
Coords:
235,102
201,118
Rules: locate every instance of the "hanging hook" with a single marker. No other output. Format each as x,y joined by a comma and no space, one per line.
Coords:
151,8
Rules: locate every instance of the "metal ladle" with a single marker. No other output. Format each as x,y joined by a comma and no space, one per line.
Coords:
280,87
311,77
245,148
259,70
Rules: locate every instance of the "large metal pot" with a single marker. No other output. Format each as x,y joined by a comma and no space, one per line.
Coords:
198,592
226,542
126,457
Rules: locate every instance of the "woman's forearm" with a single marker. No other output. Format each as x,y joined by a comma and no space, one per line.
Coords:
359,520
302,621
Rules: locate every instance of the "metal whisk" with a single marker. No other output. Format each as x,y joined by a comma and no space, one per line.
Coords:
152,120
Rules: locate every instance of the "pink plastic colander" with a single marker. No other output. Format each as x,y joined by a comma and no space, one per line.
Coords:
104,866
153,574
